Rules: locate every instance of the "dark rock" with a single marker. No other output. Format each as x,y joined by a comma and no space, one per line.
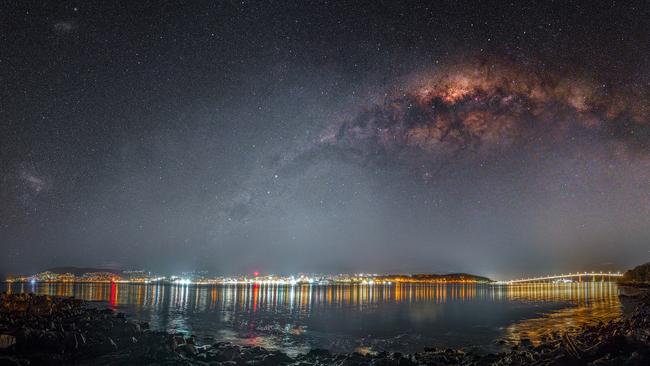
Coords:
7,341
525,342
225,353
178,340
187,350
319,353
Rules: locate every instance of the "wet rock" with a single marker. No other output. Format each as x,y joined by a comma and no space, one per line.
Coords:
525,342
7,341
275,358
9,361
178,340
319,353
223,353
71,342
187,349
203,349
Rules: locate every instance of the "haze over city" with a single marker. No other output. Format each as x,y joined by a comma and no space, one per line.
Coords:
380,137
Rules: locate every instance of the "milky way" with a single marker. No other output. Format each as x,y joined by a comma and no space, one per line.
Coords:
479,110
569,148
522,119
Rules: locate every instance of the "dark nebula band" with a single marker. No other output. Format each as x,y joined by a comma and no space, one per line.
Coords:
482,109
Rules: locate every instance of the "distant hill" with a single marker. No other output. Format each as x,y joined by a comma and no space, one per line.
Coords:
639,274
78,271
452,276
432,277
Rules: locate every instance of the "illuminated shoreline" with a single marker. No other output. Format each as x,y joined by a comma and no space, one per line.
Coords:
202,278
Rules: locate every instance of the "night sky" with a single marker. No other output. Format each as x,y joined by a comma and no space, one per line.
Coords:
325,136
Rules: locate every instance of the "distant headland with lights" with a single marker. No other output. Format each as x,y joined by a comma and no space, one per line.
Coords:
102,275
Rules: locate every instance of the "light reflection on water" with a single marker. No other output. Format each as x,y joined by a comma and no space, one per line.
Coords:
400,317
593,302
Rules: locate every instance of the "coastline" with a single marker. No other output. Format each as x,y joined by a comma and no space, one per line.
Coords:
491,318
41,329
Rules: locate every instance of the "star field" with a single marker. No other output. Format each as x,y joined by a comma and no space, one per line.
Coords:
489,137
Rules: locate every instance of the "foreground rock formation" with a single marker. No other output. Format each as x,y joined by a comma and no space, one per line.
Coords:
43,330
639,276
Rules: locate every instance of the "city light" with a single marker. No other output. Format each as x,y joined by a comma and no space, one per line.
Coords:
364,279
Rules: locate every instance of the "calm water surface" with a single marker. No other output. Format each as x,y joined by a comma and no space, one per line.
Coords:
346,318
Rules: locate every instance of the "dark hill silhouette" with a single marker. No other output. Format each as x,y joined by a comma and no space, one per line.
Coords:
639,274
424,277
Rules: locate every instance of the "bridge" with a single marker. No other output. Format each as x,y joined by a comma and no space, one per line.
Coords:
570,276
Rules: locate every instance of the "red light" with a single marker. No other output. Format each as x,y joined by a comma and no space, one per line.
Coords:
256,273
113,298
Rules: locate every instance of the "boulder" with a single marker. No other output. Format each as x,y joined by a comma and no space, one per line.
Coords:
7,341
276,358
186,350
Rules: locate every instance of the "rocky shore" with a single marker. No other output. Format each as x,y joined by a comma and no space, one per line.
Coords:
44,330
